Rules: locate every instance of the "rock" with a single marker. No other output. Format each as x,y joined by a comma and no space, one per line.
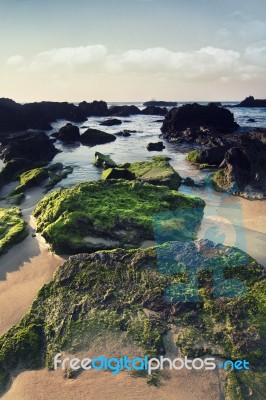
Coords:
156,172
111,122
69,133
142,302
12,229
193,120
118,173
159,146
31,178
244,169
115,213
34,146
154,103
15,117
124,111
251,120
125,133
251,102
92,137
152,110
213,156
96,108
188,181
103,160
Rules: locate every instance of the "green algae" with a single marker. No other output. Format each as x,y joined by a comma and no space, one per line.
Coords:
12,228
29,179
119,211
157,172
194,156
109,291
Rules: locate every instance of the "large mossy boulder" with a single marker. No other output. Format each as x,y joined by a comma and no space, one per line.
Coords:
12,228
139,296
110,214
157,172
92,137
103,160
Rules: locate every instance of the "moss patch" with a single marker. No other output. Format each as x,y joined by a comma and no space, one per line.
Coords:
194,156
219,180
12,228
120,211
156,172
111,291
31,178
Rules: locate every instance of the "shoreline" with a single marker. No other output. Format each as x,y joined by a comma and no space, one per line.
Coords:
24,270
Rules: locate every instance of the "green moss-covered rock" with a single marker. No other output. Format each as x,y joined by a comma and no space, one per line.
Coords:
92,137
118,173
57,172
219,180
108,214
12,228
157,172
16,199
103,160
123,293
31,178
15,167
194,156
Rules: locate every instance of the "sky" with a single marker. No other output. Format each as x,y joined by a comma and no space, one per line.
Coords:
132,50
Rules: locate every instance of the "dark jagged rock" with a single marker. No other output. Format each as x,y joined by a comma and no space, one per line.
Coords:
193,120
153,110
124,111
68,133
124,133
92,137
160,103
111,122
188,181
34,146
251,102
96,108
244,169
15,117
159,146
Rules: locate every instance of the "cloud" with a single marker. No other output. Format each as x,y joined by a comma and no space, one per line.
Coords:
208,63
68,57
15,61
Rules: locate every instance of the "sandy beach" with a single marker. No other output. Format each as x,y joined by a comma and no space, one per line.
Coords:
102,385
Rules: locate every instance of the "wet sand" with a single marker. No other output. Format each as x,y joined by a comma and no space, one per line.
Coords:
24,269
182,385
